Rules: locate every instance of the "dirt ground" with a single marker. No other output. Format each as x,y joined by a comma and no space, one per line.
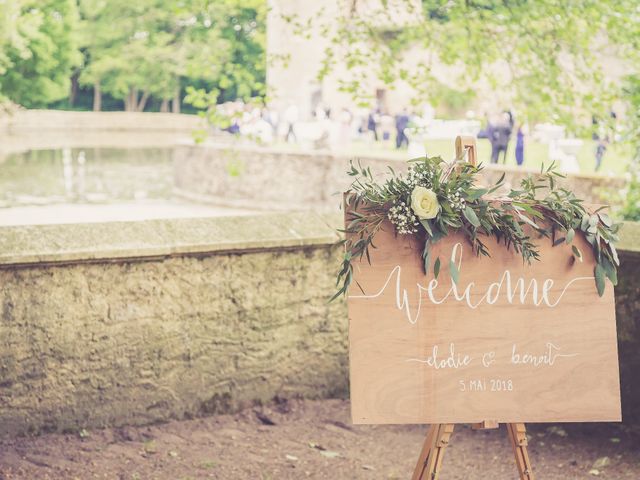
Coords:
310,439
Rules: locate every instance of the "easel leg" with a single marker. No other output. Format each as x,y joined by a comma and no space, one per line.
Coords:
518,437
428,466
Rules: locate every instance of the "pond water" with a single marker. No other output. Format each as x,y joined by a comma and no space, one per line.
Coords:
92,185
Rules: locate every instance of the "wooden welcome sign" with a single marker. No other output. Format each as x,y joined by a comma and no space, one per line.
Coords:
509,342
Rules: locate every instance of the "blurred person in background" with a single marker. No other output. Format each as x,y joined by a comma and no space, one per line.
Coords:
344,127
291,116
323,139
372,123
402,122
520,134
498,133
603,135
271,118
601,138
387,125
602,142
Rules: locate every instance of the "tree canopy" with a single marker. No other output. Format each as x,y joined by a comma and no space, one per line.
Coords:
38,50
549,55
132,51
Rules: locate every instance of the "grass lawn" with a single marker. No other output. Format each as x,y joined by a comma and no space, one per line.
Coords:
615,161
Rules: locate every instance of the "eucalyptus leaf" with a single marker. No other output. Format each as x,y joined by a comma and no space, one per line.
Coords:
614,253
599,274
452,223
426,261
471,216
605,219
585,222
437,235
453,271
576,252
447,208
476,193
427,227
570,234
528,220
426,255
610,270
436,268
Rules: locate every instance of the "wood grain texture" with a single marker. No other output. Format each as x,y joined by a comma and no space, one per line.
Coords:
390,345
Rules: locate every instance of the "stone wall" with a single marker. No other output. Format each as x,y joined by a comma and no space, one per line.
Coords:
192,317
628,321
243,176
50,129
29,121
134,323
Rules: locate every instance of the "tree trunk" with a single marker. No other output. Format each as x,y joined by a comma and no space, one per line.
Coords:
97,96
127,102
175,103
131,101
143,101
164,106
73,91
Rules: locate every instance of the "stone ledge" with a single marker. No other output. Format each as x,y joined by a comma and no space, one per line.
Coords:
629,237
224,145
65,243
237,175
24,245
39,120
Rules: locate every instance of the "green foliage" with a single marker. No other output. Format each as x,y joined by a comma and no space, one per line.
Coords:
631,206
539,208
38,50
547,58
631,89
244,73
243,25
206,102
161,46
132,51
455,101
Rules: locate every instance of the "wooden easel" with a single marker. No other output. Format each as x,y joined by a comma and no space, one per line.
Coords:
430,459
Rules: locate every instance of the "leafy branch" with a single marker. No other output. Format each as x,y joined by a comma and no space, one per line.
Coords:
540,206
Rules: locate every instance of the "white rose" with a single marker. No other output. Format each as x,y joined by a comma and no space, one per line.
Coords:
424,203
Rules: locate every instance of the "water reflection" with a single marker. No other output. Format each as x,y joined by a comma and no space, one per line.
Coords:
90,175
79,185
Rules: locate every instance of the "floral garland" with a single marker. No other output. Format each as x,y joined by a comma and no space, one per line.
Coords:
436,198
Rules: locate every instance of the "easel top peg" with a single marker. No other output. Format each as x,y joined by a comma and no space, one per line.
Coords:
468,144
485,425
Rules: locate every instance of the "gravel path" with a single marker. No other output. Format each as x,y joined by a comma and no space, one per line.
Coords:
310,439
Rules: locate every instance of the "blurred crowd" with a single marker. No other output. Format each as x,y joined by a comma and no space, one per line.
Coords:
335,129
409,130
